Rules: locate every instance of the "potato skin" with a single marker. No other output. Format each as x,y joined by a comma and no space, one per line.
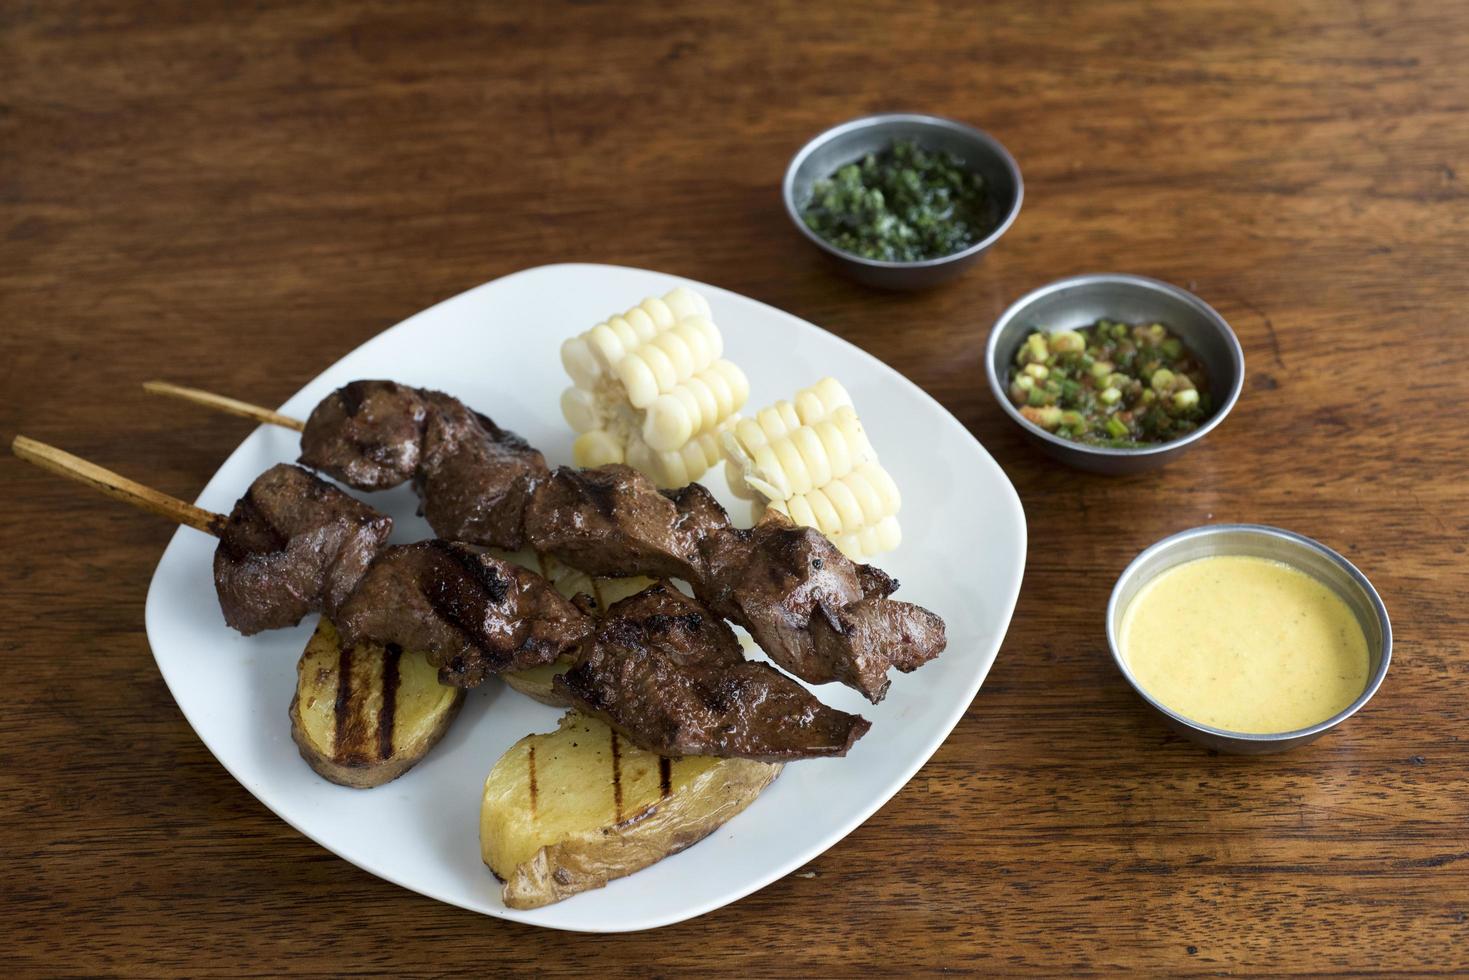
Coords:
591,860
366,775
577,843
423,711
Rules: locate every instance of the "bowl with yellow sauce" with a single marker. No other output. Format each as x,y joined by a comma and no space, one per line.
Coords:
1247,638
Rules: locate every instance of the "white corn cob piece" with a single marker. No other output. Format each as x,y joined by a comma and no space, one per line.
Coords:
883,536
674,468
696,406
806,458
747,436
810,459
860,499
651,389
586,355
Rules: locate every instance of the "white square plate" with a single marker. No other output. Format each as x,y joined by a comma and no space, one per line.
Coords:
497,348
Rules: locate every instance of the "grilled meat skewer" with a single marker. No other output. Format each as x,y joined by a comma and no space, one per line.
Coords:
669,674
294,544
472,477
814,611
474,614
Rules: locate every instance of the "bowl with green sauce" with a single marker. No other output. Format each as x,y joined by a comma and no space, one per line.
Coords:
902,200
1114,373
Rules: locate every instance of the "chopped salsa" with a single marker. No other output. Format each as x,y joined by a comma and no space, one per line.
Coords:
904,204
1110,384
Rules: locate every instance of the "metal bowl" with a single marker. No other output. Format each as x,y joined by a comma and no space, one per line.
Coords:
1311,557
850,141
1080,301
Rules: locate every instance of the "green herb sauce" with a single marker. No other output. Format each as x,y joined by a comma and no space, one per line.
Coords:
904,204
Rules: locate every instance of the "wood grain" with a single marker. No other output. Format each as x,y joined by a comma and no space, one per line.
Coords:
233,195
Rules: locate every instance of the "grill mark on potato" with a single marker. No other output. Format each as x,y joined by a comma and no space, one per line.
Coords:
665,776
343,707
387,714
530,767
357,732
616,779
637,817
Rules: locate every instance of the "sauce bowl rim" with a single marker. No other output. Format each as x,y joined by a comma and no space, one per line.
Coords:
1379,610
879,121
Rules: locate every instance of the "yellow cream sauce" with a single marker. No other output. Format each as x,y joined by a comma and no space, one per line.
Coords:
1244,644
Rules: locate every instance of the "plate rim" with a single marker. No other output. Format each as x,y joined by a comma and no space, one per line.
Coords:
153,613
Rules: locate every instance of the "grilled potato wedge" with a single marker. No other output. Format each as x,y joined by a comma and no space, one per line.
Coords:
363,716
536,682
568,811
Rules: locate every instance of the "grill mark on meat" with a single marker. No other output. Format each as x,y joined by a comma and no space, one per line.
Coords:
343,706
665,776
662,623
491,581
380,453
458,598
246,512
656,624
386,715
510,440
530,767
601,494
720,696
573,683
616,778
351,396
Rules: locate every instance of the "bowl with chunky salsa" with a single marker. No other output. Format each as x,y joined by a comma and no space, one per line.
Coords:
1114,373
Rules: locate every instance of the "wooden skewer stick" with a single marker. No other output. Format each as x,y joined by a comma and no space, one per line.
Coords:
116,485
220,403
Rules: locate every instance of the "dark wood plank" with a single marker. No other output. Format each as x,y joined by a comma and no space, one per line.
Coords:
235,194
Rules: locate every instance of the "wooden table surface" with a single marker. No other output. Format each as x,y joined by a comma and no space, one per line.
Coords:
235,197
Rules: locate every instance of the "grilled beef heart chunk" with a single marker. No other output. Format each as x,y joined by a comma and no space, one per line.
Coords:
471,613
670,675
293,544
613,521
368,434
475,478
814,611
472,477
